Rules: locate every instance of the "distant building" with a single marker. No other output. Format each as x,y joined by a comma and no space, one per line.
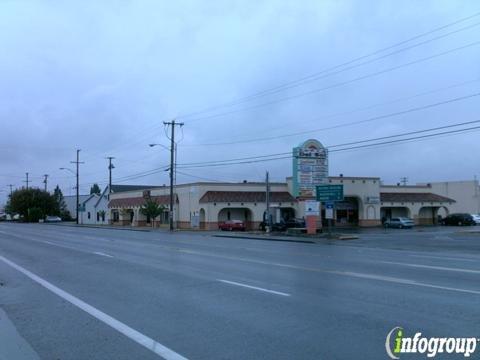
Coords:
94,209
71,203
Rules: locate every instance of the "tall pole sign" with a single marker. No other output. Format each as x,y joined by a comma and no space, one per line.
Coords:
310,168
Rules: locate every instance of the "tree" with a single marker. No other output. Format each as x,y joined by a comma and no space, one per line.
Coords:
152,209
61,209
95,189
32,204
102,214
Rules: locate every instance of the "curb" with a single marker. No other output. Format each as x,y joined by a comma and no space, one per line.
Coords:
101,227
264,239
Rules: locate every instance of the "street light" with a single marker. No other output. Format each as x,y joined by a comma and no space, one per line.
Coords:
73,172
161,145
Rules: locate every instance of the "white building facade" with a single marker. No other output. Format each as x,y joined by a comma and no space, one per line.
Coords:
367,202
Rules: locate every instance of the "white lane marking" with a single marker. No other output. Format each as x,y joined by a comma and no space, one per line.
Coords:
434,267
102,254
343,273
445,258
133,334
254,287
48,242
406,282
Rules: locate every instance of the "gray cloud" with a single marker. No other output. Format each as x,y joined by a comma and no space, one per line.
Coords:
103,76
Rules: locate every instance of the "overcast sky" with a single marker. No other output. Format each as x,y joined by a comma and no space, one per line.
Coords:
102,76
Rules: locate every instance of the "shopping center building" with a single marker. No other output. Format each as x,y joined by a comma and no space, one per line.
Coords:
202,205
367,201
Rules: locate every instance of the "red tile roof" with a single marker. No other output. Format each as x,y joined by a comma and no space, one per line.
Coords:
245,196
413,197
138,201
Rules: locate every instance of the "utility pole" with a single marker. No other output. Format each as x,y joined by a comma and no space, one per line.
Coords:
78,162
404,181
45,181
172,165
110,168
11,190
267,200
27,181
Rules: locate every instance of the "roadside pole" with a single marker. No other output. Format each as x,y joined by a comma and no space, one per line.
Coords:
267,200
110,168
172,167
77,162
329,194
329,214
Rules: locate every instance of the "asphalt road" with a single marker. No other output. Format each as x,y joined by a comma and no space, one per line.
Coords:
80,293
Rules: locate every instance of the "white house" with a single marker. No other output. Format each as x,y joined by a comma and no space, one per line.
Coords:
88,213
95,209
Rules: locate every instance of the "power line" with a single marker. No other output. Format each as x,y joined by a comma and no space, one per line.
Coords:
288,155
280,156
197,177
306,78
374,118
339,84
349,112
409,139
315,75
339,145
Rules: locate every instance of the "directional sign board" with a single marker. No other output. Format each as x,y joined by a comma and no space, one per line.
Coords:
329,193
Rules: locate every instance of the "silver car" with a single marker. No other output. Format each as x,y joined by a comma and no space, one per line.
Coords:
399,222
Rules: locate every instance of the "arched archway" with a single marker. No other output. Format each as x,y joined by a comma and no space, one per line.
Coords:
387,212
443,211
243,214
429,215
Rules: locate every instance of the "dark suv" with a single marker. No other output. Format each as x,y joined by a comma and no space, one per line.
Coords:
458,219
283,225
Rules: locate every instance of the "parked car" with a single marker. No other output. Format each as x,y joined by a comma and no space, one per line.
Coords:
458,219
14,217
399,222
52,219
476,218
283,225
232,225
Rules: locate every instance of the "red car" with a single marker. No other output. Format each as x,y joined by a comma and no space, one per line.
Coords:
232,225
